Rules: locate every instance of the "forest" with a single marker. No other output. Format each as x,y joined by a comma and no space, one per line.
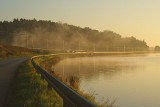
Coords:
57,35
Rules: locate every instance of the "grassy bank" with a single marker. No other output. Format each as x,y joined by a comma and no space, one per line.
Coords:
47,62
9,52
30,90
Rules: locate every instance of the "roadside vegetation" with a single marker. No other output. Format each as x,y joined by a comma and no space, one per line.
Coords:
7,51
30,90
72,81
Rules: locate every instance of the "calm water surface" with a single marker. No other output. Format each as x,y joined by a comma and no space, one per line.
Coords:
133,81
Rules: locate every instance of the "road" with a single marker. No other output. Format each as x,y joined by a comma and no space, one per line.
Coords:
7,73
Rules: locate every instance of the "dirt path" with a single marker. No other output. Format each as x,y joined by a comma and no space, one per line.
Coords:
7,73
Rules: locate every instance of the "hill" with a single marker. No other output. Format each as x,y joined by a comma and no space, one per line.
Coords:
6,51
56,35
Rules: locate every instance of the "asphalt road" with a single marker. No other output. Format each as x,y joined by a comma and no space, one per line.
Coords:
7,73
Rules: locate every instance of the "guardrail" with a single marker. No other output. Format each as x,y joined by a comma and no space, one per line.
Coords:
70,97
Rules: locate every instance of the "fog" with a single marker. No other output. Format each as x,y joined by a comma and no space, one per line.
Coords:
62,39
56,35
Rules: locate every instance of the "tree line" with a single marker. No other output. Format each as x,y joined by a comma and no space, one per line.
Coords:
56,35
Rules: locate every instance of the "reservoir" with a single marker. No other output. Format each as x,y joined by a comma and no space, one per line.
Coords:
129,80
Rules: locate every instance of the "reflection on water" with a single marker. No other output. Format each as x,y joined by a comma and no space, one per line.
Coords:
134,81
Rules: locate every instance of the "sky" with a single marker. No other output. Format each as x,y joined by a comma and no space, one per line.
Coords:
138,18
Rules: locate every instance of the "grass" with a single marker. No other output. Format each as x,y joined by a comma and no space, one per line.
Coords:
30,90
73,82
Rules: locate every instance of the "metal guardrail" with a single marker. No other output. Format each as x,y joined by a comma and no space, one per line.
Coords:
70,97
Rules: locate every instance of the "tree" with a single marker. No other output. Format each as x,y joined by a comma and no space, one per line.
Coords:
157,48
70,34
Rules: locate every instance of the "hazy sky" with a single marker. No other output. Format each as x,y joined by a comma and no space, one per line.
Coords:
138,18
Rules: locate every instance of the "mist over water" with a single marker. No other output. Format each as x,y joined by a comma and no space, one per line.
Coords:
133,81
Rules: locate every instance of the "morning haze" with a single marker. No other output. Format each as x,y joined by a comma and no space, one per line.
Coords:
128,17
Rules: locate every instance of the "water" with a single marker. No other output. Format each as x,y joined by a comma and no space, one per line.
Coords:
132,81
